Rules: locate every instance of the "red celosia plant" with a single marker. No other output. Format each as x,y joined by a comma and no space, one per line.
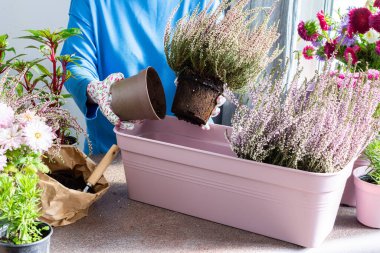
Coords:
318,126
353,39
49,42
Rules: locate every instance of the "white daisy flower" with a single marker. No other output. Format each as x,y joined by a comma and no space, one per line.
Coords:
38,135
10,138
7,116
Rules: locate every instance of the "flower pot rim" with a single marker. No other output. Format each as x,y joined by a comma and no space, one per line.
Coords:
47,237
361,171
122,132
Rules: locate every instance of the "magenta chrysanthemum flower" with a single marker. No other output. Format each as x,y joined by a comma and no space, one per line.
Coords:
330,49
376,3
350,55
308,31
377,48
359,20
374,21
308,52
322,21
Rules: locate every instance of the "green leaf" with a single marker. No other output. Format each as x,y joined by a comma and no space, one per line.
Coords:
43,70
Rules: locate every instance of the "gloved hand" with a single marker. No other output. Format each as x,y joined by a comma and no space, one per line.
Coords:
219,102
100,93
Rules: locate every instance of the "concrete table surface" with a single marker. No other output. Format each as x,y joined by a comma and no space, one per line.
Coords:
117,224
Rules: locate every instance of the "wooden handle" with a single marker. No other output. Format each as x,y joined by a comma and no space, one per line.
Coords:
102,166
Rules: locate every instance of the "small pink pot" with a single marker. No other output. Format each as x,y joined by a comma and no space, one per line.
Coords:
348,198
367,200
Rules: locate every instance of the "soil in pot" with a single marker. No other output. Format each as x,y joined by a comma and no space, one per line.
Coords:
195,98
69,140
41,246
70,179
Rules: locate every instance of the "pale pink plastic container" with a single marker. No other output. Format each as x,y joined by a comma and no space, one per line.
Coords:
349,198
178,166
368,200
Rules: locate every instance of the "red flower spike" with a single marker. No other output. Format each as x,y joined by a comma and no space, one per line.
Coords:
359,20
322,21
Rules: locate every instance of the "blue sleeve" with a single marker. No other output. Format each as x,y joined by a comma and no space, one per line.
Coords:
83,47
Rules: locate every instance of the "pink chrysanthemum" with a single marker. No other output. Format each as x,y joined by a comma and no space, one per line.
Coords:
376,3
10,138
329,48
308,52
373,74
308,31
7,116
322,21
350,55
377,48
374,22
359,20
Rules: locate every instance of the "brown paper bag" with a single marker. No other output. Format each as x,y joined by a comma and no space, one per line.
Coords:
63,206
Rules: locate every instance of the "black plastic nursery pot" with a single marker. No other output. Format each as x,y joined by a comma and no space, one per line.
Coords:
42,246
195,98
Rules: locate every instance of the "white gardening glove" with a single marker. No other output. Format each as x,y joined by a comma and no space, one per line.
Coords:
219,102
99,92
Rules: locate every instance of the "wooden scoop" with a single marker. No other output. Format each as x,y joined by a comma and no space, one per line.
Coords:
102,166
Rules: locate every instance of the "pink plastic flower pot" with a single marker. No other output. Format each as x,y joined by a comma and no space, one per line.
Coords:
349,191
367,200
178,166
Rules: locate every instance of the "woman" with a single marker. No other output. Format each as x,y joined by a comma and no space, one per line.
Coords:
120,38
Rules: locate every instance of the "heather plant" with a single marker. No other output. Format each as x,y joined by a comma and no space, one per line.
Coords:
222,44
318,125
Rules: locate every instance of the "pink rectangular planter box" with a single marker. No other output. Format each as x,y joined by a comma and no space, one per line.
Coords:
178,166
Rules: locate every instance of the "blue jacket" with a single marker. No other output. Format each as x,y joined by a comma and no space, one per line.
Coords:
118,36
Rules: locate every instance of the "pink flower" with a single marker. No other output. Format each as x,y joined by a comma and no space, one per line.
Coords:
376,3
377,48
330,49
374,21
350,55
308,52
373,74
359,20
7,116
322,21
308,31
10,138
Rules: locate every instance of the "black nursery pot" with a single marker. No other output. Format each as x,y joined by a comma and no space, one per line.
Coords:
195,98
42,246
